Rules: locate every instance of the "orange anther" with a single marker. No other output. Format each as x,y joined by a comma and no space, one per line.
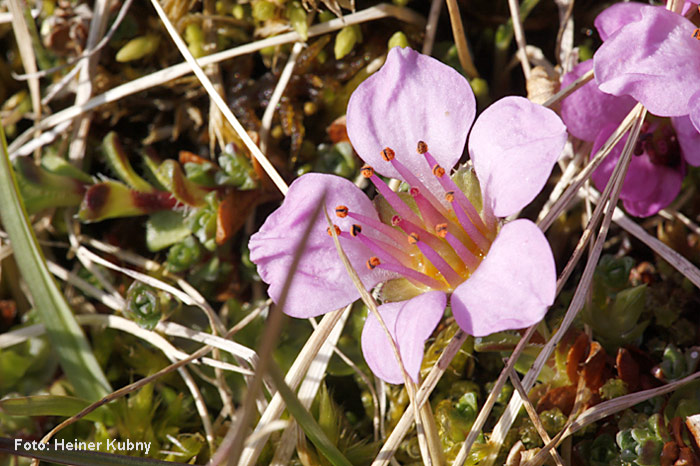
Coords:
336,228
441,230
388,154
355,230
413,238
438,171
450,196
367,171
373,262
341,211
422,147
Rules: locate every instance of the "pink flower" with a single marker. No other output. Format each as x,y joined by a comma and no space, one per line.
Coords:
642,59
497,276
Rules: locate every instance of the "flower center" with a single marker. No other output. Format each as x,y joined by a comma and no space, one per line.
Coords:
659,141
437,247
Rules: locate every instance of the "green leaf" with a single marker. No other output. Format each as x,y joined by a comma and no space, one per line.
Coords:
328,415
77,457
112,199
345,40
177,183
236,171
49,405
12,368
40,188
119,162
60,166
164,229
138,48
306,421
143,305
297,18
66,336
184,255
397,39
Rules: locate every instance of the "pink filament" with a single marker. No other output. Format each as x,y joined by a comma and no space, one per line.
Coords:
412,275
414,182
440,264
394,200
449,185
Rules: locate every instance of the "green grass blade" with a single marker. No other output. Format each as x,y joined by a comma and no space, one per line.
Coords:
48,405
67,338
76,457
306,421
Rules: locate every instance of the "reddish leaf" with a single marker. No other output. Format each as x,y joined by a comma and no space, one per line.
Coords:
575,357
594,372
560,397
337,130
627,369
669,454
185,156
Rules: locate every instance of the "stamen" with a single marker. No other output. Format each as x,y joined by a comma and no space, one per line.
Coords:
412,275
341,211
373,262
385,251
438,171
414,182
386,230
410,227
440,264
449,185
388,154
424,236
696,32
475,235
355,230
336,228
468,257
367,171
431,216
392,198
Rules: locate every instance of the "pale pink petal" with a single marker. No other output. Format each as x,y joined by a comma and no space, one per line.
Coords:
412,98
514,145
614,17
694,110
647,188
587,110
410,324
688,138
655,60
513,286
321,283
